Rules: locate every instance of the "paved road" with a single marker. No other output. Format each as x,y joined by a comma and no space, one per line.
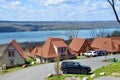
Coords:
39,72
32,73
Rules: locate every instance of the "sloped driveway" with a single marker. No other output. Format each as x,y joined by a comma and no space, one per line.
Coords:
40,72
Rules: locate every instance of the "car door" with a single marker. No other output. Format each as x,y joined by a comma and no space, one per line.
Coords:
71,68
76,68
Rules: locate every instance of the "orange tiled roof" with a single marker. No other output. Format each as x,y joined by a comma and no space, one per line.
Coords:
48,50
19,49
30,49
35,51
76,44
60,43
107,44
71,51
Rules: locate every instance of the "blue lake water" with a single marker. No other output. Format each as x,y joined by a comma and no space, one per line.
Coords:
43,35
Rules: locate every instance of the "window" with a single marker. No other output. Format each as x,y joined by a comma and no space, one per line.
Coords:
11,54
62,50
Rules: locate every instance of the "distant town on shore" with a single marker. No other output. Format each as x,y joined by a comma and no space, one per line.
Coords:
24,26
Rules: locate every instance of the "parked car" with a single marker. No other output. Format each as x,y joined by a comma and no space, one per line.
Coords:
101,52
90,53
74,68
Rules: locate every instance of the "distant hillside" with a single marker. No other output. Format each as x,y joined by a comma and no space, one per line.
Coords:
15,26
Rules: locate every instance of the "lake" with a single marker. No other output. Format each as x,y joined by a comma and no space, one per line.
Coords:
43,35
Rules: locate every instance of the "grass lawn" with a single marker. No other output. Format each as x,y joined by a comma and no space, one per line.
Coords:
14,69
112,68
10,70
67,75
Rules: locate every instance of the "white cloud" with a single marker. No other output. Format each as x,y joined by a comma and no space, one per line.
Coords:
55,8
11,5
53,2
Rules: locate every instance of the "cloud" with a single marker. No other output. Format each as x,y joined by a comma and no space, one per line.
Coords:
54,9
11,5
53,2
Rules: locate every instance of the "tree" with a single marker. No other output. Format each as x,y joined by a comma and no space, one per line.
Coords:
57,66
115,34
93,32
112,3
70,34
99,32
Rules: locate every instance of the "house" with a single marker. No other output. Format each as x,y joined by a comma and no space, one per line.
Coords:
1,60
14,55
28,50
79,45
111,45
52,48
35,54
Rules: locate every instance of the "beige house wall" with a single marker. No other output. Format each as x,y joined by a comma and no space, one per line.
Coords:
1,61
18,59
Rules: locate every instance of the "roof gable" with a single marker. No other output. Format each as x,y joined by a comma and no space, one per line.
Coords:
106,43
18,48
30,49
48,50
99,42
77,44
35,51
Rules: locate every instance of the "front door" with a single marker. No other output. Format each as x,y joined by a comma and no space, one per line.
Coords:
12,62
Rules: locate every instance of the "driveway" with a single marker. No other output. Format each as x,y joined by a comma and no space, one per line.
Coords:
39,72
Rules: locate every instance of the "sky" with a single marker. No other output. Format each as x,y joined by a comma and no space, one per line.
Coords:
57,10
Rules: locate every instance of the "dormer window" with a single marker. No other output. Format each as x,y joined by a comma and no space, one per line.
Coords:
62,50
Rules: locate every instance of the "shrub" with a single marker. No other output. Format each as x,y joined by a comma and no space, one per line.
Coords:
29,60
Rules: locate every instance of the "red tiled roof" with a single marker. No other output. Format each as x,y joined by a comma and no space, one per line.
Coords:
48,50
76,44
19,49
116,42
35,51
98,42
59,43
107,44
30,49
71,51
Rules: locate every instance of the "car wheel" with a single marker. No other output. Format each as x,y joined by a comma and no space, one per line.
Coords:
65,71
84,72
91,55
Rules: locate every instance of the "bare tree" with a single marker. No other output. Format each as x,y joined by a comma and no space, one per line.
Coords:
112,3
70,34
93,32
101,32
98,32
